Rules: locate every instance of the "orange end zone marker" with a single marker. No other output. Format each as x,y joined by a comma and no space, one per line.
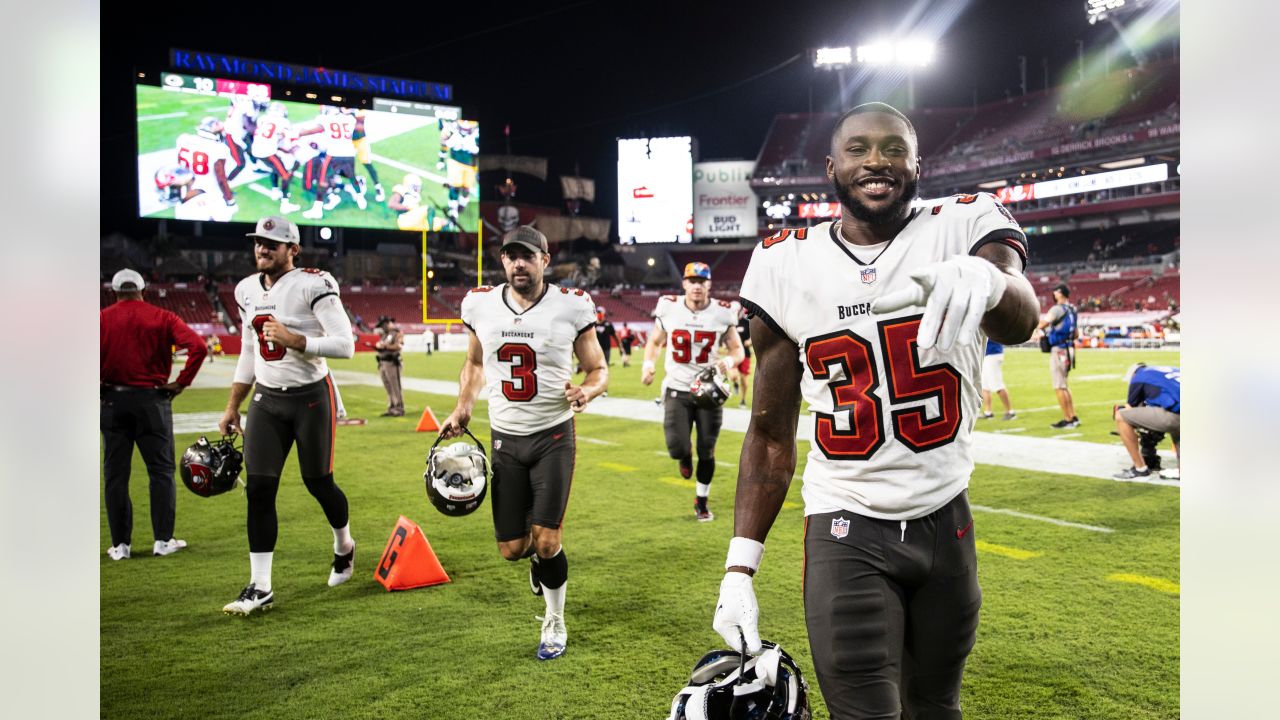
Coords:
428,423
408,560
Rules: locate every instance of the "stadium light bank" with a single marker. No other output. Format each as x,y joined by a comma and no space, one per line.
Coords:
908,55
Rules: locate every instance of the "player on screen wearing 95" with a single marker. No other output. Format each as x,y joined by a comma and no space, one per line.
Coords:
878,321
523,335
293,320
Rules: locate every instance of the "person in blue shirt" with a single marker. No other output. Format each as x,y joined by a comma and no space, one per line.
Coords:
1060,327
993,381
1154,406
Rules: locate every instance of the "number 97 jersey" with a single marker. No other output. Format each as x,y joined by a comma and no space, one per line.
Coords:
528,355
692,337
892,423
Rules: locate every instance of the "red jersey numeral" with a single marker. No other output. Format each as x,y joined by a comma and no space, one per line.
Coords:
682,345
268,351
523,385
853,392
195,161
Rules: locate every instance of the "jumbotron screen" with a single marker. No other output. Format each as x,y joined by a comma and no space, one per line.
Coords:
655,190
231,151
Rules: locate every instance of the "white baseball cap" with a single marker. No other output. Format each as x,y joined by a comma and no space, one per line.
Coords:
127,276
276,229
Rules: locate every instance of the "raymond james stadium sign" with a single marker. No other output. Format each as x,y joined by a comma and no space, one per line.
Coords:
267,71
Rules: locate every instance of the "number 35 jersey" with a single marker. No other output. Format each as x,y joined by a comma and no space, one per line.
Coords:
528,356
692,337
892,422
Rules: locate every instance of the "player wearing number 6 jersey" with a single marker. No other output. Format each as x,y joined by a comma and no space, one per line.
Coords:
523,336
692,325
293,320
878,321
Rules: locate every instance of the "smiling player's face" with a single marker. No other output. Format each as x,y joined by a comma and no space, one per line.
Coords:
874,167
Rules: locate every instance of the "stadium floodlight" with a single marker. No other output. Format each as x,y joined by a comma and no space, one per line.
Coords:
1098,9
833,57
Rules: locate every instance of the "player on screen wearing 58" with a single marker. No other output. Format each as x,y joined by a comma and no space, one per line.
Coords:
523,336
878,321
692,325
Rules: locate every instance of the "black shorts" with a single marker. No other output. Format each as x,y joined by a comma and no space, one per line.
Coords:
277,418
532,475
892,614
345,166
680,415
311,174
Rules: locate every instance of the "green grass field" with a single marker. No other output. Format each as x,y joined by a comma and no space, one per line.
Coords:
164,115
1075,624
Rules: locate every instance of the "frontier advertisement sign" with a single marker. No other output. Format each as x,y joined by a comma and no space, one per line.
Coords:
655,190
724,205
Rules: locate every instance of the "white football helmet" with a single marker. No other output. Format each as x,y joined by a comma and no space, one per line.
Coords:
726,685
172,182
457,476
210,128
413,183
259,96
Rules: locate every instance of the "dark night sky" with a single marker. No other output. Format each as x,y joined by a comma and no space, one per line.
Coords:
571,77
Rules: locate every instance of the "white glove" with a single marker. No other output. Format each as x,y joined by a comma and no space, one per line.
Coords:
956,294
737,611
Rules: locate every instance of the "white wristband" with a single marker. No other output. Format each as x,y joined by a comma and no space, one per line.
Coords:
648,366
744,552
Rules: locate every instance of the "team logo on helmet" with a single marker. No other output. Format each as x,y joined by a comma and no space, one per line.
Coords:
210,469
709,388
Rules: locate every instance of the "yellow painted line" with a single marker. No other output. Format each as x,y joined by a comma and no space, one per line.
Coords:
616,467
1009,552
143,106
678,482
1157,584
788,505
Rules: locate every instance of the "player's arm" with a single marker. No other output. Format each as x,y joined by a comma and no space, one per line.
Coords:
656,338
591,358
765,467
397,203
470,382
732,343
336,342
1013,319
220,172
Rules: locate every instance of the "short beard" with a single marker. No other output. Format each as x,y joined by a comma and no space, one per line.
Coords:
528,290
891,214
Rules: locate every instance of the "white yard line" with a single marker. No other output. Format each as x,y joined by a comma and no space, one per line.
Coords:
1042,518
1051,455
163,116
1066,435
426,174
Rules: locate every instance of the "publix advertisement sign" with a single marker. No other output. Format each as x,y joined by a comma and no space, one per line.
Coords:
723,204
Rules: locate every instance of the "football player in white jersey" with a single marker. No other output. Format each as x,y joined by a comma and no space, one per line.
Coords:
293,320
208,158
241,121
272,130
692,325
523,336
878,321
340,162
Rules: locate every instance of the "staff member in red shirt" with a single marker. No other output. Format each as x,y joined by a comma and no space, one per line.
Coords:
137,341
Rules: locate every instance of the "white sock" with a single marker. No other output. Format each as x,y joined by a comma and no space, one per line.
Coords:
260,570
342,541
704,489
554,598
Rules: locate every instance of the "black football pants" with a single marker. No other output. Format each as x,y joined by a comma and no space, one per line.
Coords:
142,417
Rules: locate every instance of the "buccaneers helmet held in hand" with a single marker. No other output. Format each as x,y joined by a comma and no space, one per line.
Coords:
457,476
210,469
727,685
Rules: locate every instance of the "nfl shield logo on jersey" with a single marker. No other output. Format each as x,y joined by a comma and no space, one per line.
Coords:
840,526
497,444
868,275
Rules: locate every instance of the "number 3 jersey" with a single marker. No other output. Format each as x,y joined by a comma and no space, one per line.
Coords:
528,356
305,301
892,422
692,337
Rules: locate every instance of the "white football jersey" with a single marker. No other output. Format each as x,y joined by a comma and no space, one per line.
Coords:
892,423
693,337
199,154
338,130
528,356
266,139
307,147
240,118
291,300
